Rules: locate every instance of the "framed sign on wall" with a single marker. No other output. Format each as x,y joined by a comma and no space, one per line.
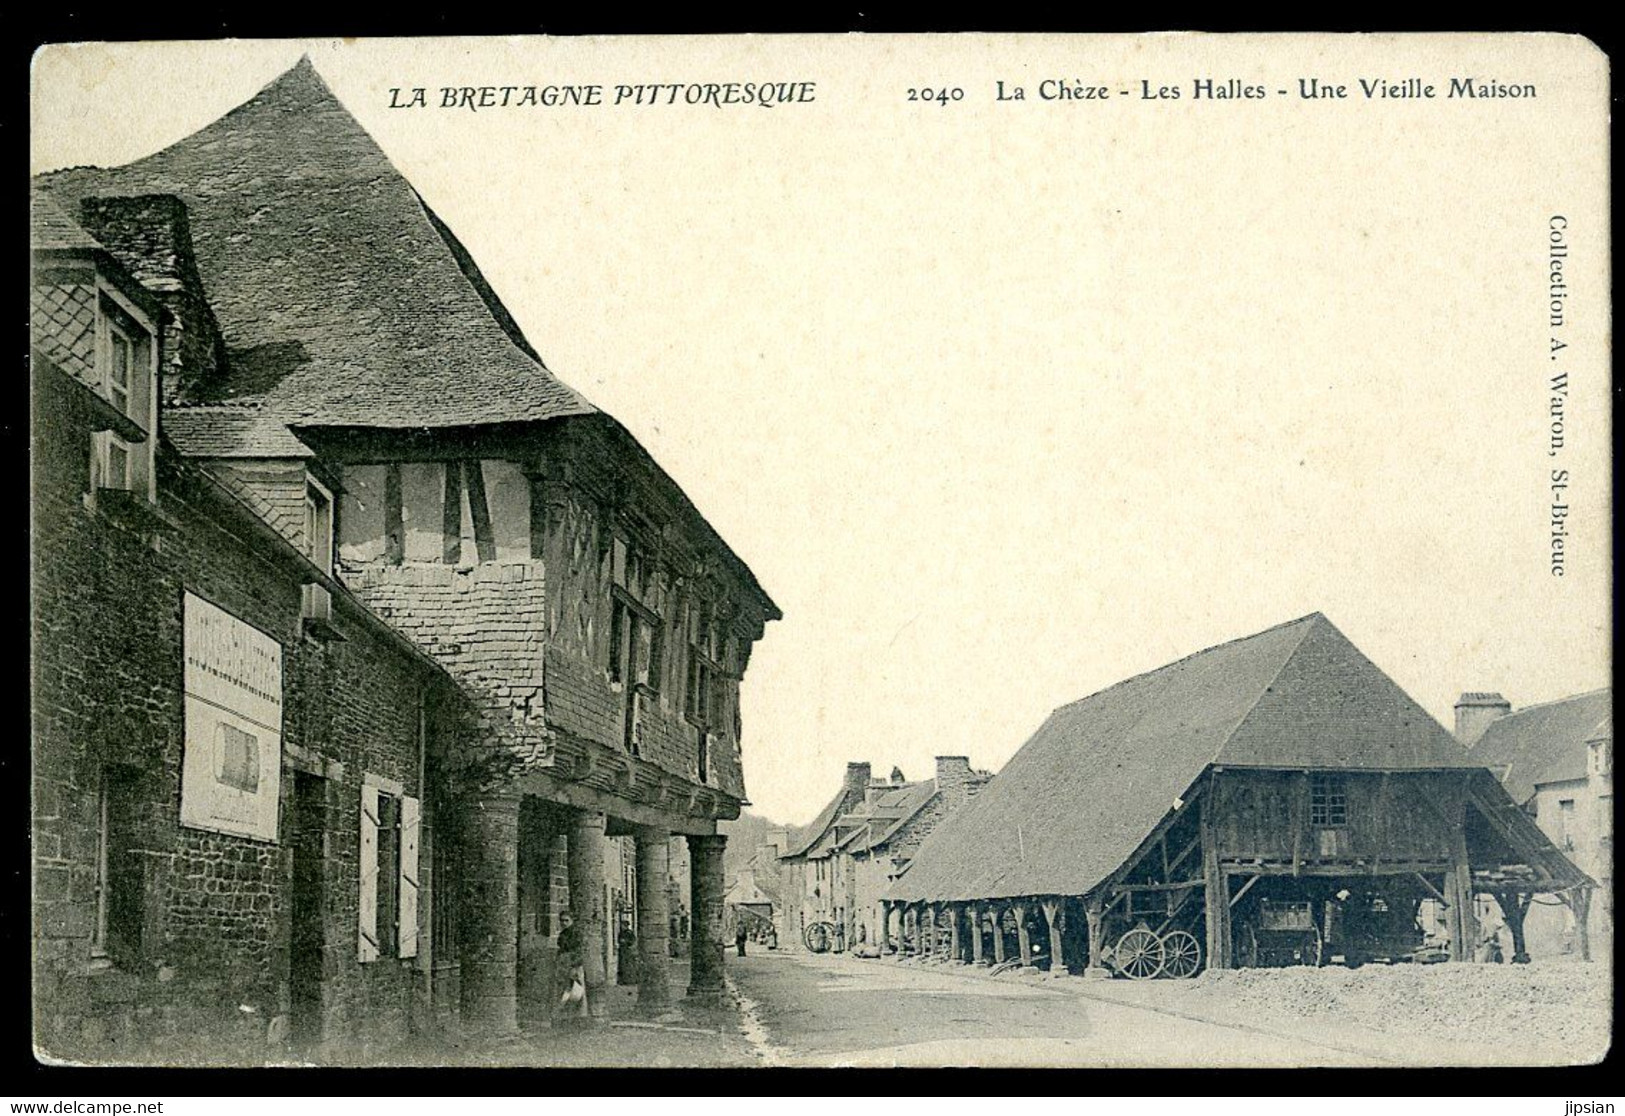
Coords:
232,772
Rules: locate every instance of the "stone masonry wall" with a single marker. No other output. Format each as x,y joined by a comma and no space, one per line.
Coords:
210,971
485,625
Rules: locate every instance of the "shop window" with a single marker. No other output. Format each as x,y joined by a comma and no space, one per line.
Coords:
1328,801
116,932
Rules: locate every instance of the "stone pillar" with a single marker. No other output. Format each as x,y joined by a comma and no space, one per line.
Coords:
998,932
587,901
1052,915
1023,936
490,916
654,918
928,932
885,926
976,933
706,887
955,943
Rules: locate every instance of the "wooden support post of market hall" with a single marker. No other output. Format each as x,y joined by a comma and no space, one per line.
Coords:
1052,915
1459,888
1092,910
1023,936
975,912
955,916
928,932
1579,901
996,912
1216,887
1514,905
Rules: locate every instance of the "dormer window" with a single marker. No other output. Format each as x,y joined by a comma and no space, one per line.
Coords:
128,381
319,524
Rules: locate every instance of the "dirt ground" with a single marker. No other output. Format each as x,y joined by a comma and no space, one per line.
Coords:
1544,1013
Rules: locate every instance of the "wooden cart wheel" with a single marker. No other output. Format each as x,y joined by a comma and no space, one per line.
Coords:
1181,955
1139,954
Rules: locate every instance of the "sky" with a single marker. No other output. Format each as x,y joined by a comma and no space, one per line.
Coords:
1005,403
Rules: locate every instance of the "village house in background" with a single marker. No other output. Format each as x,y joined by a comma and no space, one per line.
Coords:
1556,761
1275,800
432,648
835,870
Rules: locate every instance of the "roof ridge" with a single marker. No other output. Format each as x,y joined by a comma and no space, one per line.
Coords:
1532,707
1192,655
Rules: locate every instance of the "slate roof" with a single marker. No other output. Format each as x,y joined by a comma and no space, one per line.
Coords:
231,432
50,227
1099,775
343,299
1543,743
803,838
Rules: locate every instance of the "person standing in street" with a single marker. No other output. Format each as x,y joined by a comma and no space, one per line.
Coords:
739,938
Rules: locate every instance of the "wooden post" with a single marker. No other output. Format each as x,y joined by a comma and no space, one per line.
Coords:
1513,908
1580,904
998,932
1092,910
975,912
1216,889
1052,915
1023,936
1461,893
953,933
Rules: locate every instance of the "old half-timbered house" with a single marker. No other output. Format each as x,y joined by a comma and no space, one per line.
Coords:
515,534
1273,800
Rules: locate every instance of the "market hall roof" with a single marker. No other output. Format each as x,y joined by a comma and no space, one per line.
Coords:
1101,773
1543,743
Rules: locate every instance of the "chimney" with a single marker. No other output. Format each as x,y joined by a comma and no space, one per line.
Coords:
151,236
778,838
953,778
1474,712
856,784
897,777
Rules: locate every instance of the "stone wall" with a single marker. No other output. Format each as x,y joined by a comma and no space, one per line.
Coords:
206,975
485,625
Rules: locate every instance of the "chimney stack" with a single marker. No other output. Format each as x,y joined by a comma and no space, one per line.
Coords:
856,784
953,778
1474,712
152,236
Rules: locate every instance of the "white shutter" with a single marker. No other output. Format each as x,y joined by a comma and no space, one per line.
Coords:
367,940
408,941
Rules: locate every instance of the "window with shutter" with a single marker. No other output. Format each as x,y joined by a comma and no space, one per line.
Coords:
367,939
407,943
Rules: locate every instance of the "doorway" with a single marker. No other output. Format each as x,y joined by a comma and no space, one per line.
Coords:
307,938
